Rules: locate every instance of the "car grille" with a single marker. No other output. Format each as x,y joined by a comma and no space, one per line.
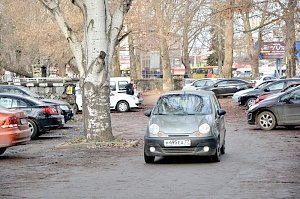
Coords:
183,150
178,135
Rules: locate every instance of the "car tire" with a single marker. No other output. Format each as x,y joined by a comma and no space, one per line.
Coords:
266,120
223,147
149,159
250,102
217,156
122,106
2,150
34,129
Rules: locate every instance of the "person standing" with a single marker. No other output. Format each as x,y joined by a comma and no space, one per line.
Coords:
130,88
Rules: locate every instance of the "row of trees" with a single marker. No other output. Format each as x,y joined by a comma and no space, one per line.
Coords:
88,33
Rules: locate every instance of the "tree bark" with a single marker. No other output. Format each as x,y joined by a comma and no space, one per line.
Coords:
185,49
115,67
164,50
133,72
290,39
94,59
228,36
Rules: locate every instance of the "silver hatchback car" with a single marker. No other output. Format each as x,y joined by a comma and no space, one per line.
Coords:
185,123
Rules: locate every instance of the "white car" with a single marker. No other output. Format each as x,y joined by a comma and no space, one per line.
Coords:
198,84
121,102
261,79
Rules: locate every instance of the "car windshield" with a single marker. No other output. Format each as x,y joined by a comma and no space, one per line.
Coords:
182,104
263,84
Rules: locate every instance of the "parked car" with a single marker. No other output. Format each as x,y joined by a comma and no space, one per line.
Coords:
185,123
198,84
14,128
65,107
227,87
261,79
248,99
264,96
237,95
41,116
278,110
121,102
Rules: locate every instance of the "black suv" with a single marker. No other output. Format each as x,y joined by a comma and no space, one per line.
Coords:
249,98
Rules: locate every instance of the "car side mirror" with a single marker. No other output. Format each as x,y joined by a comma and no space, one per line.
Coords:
266,90
216,85
221,112
148,113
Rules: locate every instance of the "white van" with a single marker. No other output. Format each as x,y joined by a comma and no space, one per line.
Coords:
118,94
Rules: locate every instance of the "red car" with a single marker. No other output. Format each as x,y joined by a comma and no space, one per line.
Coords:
262,97
14,128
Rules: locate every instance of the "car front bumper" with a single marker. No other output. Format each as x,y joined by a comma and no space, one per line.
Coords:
196,148
251,118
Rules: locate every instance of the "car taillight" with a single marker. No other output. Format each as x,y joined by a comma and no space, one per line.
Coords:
50,110
9,122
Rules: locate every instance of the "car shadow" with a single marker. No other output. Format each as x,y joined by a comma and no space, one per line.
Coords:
49,137
182,160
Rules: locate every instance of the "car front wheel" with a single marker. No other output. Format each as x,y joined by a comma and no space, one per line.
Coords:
266,120
122,106
223,147
217,156
149,159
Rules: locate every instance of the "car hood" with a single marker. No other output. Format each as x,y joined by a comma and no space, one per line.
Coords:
180,124
243,91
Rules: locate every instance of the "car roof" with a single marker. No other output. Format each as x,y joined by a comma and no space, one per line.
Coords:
32,99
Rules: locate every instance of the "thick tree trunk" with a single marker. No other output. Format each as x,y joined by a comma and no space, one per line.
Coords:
96,109
290,38
252,52
185,49
164,50
133,72
165,62
115,67
138,63
228,44
94,59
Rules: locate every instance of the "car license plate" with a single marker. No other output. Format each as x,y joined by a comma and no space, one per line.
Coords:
23,121
170,143
63,120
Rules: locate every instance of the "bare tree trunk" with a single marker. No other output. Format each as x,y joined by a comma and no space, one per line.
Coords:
185,49
138,63
164,50
94,59
252,52
228,35
290,38
133,72
116,70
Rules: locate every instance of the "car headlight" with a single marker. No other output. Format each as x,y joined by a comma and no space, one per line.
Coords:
204,128
154,129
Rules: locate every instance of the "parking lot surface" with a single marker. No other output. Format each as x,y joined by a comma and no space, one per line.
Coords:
257,164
